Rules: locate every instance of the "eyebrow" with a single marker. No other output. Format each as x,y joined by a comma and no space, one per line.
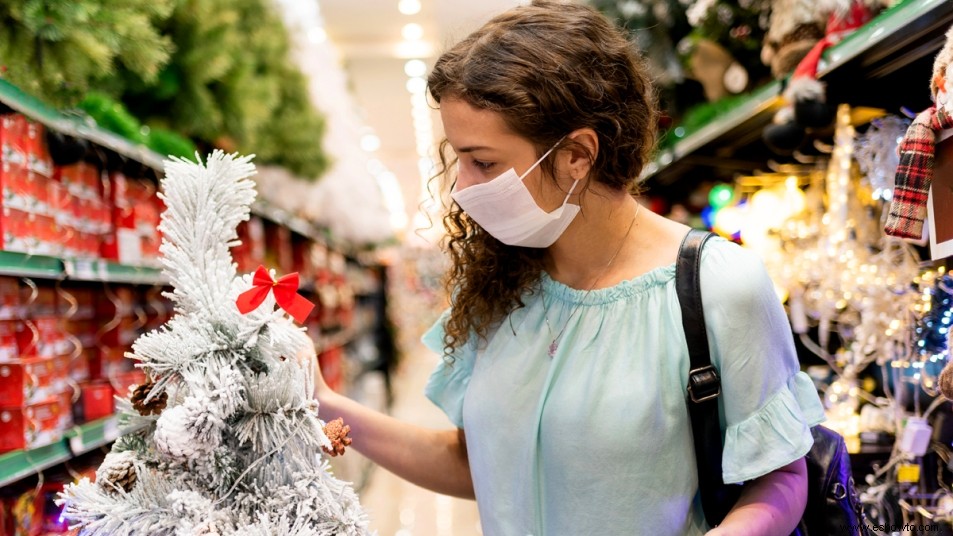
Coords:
471,149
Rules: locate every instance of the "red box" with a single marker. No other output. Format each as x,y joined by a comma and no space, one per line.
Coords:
32,380
122,383
109,363
96,401
122,303
35,425
38,154
9,349
251,252
9,298
81,179
38,303
79,367
13,154
123,334
17,232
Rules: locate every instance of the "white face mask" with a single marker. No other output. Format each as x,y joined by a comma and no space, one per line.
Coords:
505,208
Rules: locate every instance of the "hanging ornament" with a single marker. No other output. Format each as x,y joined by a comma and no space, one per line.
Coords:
286,294
876,154
146,404
117,472
337,433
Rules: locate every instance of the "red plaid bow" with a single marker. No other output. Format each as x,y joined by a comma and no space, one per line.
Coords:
286,294
908,207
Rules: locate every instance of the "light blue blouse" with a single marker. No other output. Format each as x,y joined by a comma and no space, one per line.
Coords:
597,439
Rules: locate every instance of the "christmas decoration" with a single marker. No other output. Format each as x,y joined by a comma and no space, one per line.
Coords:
804,91
723,46
146,404
908,207
117,472
58,50
792,36
285,290
876,154
230,83
237,449
337,433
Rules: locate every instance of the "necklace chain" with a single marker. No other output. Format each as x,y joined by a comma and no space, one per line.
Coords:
554,345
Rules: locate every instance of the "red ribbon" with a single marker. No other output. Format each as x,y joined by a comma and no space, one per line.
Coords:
286,294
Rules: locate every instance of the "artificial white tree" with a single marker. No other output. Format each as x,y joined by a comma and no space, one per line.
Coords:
229,439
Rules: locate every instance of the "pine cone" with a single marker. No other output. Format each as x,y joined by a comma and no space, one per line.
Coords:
117,471
154,406
337,432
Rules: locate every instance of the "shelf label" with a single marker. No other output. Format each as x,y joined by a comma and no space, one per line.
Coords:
111,430
76,444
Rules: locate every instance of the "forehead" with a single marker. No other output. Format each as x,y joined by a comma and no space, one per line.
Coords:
465,124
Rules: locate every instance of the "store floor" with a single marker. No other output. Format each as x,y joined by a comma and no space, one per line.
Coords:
396,507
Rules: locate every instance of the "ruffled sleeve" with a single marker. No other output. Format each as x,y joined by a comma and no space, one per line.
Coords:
448,382
768,404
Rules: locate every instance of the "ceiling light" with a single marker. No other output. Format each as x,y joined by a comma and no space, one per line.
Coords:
370,142
416,85
409,7
317,35
412,31
415,68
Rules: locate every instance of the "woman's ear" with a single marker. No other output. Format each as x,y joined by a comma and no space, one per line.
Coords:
581,152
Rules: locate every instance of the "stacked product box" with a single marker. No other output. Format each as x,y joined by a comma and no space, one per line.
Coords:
28,222
35,391
136,207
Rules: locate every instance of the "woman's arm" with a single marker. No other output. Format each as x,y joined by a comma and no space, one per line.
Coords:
433,459
770,505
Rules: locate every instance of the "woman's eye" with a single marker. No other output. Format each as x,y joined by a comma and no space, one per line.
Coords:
483,165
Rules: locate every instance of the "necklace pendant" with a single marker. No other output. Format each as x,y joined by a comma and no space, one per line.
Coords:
553,346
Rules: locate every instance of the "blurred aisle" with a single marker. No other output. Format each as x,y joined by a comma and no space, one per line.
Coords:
396,507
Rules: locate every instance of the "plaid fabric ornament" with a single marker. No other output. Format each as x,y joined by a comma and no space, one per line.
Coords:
908,207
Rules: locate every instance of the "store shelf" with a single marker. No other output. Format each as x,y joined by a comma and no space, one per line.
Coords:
109,272
78,127
92,435
884,55
80,440
24,265
757,108
906,32
23,463
75,126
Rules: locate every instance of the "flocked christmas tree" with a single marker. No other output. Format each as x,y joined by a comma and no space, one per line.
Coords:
229,439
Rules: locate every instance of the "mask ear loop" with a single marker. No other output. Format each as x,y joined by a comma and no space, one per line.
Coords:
540,161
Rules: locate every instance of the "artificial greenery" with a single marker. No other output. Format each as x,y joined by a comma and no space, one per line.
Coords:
214,71
112,115
57,50
230,83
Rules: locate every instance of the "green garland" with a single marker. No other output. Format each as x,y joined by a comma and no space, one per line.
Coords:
113,116
57,50
231,83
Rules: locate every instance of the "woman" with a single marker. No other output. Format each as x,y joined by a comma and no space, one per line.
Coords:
565,364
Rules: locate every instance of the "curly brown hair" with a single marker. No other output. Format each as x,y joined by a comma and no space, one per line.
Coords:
548,69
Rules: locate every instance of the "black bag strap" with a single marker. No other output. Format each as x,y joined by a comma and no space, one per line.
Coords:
704,384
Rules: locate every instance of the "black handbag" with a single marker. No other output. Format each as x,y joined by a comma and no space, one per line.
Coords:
833,507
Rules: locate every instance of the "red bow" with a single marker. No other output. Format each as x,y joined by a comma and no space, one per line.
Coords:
286,294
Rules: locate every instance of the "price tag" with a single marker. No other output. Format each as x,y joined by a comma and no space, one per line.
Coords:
81,268
908,473
76,444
